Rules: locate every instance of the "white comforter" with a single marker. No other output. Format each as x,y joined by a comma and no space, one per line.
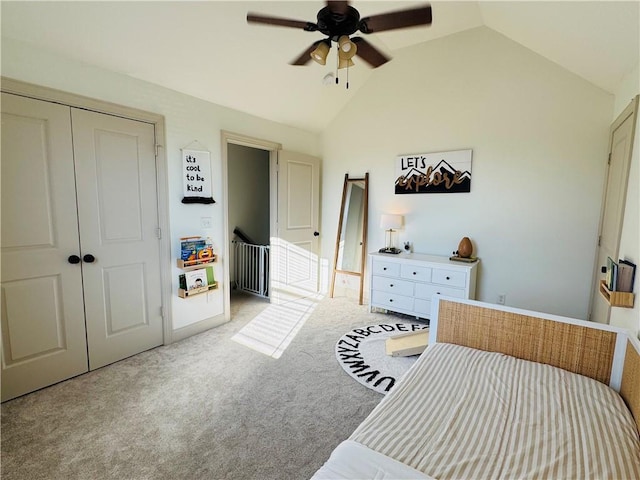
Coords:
351,460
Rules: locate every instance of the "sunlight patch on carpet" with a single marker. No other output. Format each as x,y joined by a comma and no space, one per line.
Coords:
276,326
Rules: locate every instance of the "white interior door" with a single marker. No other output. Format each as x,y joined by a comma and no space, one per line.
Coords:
621,143
295,246
118,217
43,331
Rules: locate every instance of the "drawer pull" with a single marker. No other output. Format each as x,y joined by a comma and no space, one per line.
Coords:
448,278
414,273
391,299
391,285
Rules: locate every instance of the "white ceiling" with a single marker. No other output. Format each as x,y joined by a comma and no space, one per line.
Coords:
207,49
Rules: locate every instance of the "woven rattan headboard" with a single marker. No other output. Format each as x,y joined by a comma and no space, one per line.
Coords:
630,386
576,348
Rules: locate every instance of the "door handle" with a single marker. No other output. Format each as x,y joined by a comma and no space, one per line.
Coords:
73,259
88,258
316,234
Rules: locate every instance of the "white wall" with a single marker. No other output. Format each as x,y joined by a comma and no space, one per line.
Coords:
539,137
630,237
187,119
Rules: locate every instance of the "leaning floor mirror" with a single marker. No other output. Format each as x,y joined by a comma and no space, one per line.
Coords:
351,239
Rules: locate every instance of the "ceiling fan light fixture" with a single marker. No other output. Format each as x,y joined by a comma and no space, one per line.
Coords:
345,44
347,49
319,54
345,63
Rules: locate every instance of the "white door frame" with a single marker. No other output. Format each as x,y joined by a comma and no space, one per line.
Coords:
630,111
246,141
72,100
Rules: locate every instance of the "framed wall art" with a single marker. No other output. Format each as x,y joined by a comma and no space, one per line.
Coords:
196,176
440,172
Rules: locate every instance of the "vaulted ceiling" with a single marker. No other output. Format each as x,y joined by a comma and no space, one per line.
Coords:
206,48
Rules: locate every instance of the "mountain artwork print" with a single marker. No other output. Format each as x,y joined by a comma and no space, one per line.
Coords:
441,172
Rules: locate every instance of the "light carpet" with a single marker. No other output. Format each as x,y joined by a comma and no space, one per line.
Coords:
202,408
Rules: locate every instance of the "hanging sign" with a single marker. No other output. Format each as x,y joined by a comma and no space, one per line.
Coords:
442,172
196,176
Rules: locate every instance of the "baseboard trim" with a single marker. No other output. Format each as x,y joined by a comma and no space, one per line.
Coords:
198,327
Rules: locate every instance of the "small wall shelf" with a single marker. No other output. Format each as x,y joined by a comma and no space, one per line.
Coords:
182,293
198,263
616,299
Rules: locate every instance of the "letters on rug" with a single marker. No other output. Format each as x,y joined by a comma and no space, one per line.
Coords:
361,353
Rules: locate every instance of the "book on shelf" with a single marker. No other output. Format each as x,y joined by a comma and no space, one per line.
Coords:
195,248
612,274
196,279
626,276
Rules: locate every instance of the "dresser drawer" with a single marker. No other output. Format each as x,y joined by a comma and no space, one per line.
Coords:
391,300
449,277
422,307
392,285
426,291
415,272
380,267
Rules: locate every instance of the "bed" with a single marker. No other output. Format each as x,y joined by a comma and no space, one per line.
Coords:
503,393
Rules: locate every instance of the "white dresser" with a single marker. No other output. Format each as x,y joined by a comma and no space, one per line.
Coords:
405,283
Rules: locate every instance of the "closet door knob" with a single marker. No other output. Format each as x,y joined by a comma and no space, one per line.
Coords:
88,258
73,259
316,234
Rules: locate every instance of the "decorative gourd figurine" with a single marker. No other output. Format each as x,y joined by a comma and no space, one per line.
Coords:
465,248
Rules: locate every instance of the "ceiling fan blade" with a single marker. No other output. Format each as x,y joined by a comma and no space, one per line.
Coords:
393,20
369,53
281,22
338,6
305,57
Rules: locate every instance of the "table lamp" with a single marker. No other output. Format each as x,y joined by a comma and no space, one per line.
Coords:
390,223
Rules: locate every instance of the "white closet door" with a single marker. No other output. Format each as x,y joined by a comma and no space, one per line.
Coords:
118,217
43,331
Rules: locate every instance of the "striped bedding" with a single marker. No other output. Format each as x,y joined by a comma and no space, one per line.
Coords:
462,413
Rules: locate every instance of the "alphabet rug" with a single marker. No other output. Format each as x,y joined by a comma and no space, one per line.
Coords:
361,353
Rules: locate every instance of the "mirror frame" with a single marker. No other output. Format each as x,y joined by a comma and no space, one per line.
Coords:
365,219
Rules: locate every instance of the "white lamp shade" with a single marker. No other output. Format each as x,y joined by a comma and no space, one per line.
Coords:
391,222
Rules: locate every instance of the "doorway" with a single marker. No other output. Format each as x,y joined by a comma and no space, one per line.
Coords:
250,167
293,242
249,219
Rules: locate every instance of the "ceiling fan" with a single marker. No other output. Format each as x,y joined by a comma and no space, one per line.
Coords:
338,21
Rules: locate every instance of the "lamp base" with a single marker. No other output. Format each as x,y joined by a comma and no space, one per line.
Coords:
391,250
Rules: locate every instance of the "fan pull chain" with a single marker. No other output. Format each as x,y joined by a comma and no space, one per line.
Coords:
347,77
